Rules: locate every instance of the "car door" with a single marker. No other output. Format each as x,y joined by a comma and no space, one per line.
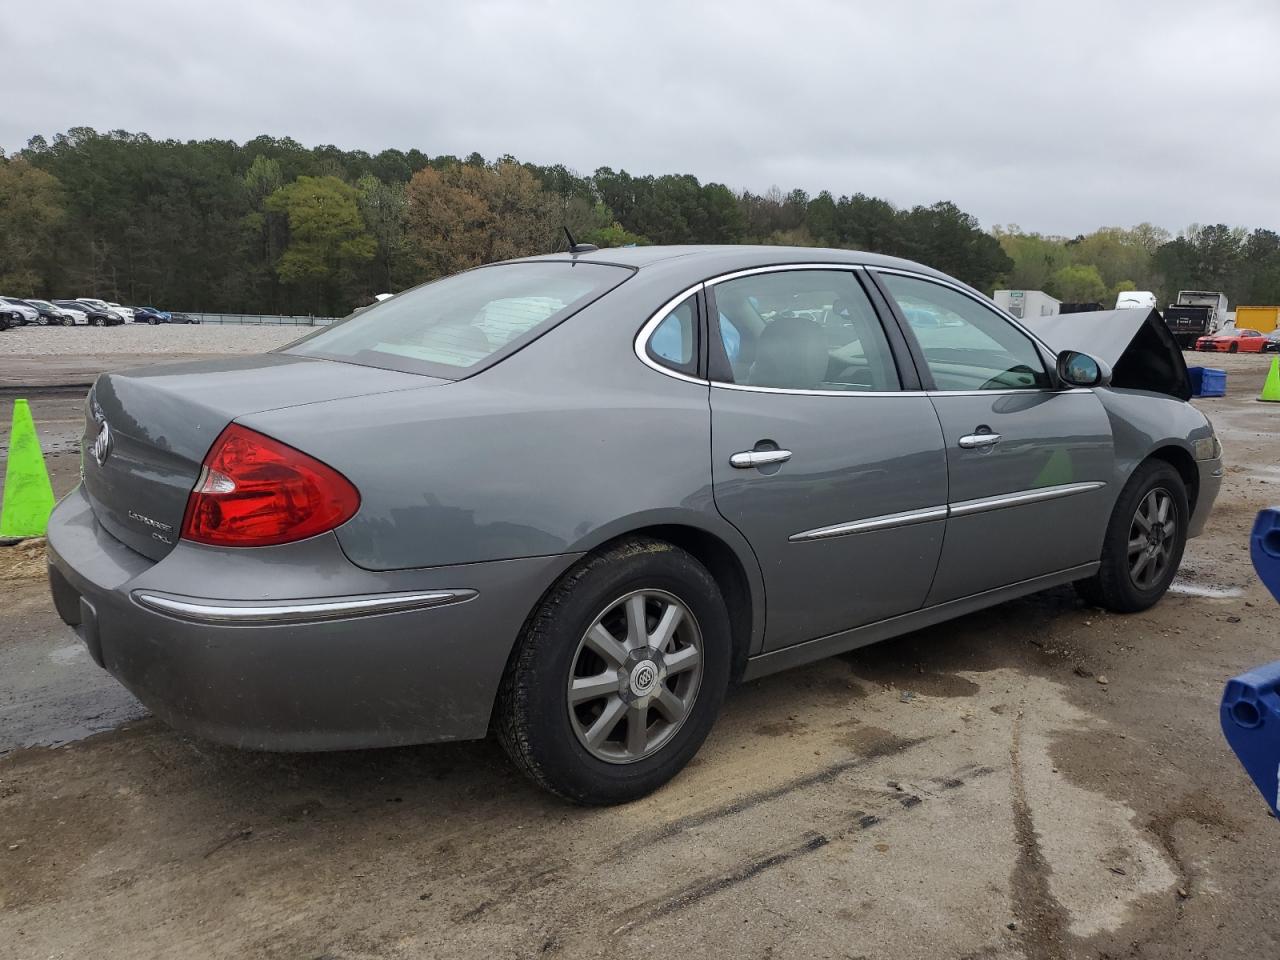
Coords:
833,472
1029,463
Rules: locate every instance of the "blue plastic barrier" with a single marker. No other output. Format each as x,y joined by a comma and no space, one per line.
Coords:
1250,711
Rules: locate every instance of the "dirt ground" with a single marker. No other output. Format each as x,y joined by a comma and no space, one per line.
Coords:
1040,780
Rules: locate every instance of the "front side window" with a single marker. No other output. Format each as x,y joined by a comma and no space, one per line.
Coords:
453,326
966,346
802,330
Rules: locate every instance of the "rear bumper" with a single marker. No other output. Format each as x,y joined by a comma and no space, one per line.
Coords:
298,649
1211,472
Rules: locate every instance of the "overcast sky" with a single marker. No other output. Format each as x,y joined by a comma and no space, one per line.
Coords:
1059,116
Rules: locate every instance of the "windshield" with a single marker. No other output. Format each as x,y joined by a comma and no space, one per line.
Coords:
454,326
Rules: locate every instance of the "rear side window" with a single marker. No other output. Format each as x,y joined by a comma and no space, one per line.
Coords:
674,341
457,325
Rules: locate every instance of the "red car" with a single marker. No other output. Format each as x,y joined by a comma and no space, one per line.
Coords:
1239,341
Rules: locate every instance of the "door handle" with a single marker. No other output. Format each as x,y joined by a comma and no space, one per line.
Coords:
758,458
976,441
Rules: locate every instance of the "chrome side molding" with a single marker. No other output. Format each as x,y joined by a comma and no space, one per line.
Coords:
960,509
294,611
872,523
983,504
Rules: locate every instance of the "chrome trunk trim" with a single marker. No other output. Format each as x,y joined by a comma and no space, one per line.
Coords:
293,611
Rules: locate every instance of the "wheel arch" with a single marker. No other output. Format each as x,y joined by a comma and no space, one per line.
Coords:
746,622
722,550
1181,460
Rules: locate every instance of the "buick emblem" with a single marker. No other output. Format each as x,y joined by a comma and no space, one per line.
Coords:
102,444
643,678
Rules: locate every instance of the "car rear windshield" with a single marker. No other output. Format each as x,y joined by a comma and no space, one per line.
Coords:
455,326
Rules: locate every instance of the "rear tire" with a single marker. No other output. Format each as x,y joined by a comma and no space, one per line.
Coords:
1233,348
1143,544
579,744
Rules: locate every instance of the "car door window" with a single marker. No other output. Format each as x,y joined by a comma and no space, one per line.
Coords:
801,330
966,345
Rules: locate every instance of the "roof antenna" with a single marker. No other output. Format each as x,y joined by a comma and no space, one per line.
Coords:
575,247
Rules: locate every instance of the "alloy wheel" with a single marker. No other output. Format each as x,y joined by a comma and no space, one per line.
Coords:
635,676
1152,536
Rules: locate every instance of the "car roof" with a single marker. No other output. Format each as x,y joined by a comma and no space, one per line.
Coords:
711,260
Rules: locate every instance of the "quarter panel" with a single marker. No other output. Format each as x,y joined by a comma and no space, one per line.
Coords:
544,453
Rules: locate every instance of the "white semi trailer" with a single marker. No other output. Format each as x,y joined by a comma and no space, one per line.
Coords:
1027,303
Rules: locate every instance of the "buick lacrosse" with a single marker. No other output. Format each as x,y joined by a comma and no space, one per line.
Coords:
571,498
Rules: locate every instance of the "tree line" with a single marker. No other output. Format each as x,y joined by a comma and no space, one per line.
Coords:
1096,267
271,226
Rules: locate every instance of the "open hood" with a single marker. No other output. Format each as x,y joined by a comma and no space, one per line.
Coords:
1135,343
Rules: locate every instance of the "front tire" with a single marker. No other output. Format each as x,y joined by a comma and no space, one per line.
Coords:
619,674
1143,545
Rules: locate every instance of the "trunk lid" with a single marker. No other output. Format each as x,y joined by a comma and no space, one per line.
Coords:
147,430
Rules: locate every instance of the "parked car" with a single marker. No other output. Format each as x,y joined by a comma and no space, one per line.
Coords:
104,307
1233,341
9,318
51,315
178,317
26,311
1271,343
89,314
151,315
579,494
126,312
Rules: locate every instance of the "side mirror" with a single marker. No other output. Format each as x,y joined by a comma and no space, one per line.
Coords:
1081,370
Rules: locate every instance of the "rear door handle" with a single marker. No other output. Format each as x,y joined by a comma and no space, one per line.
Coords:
976,441
758,458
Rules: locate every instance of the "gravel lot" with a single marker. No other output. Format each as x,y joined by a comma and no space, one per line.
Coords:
144,339
54,356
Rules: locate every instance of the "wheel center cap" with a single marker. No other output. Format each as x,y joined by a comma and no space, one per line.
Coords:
644,677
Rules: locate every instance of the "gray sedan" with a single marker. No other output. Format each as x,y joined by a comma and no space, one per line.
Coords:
571,498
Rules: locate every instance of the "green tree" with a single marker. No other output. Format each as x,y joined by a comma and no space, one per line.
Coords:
385,207
1035,258
1081,283
327,236
31,210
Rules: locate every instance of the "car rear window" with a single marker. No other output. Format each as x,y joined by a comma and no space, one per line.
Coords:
455,326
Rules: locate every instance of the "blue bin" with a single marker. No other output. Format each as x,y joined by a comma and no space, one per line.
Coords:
1207,381
1250,716
1250,711
1264,549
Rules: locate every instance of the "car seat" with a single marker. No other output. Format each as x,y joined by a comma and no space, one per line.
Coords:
791,352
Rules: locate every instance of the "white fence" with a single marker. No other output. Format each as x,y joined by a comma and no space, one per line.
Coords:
262,320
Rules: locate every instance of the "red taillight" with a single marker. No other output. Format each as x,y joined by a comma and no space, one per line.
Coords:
256,492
